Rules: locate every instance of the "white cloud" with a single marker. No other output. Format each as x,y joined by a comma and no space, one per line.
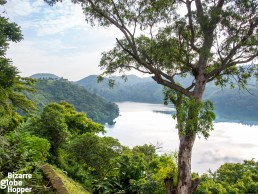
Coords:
30,60
61,17
57,39
47,20
17,8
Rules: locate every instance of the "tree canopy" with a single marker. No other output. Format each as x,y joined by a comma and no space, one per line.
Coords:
231,178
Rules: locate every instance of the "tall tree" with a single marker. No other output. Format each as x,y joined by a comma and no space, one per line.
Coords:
206,39
11,84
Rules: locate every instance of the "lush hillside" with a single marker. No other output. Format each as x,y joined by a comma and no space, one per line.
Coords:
135,89
233,104
230,104
56,90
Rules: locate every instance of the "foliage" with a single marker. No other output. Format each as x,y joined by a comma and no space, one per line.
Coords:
24,153
167,168
95,152
231,178
130,175
138,170
21,150
32,148
38,182
192,117
11,84
74,169
56,90
9,32
59,121
5,156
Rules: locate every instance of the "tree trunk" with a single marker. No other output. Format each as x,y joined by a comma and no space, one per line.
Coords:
168,184
185,183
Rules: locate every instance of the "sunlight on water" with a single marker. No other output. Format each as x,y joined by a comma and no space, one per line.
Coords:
141,123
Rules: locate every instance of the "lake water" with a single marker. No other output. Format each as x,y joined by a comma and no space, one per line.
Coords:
142,123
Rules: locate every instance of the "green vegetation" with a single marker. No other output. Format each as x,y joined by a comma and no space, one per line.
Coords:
70,186
57,122
56,90
131,90
11,84
67,139
236,105
62,137
231,178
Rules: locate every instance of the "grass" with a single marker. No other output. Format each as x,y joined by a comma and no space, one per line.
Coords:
71,186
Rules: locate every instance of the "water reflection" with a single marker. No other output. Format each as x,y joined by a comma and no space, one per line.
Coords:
141,123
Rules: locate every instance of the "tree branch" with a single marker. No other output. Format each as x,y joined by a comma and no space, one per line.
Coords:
157,77
220,4
199,9
118,15
244,38
129,37
227,61
190,20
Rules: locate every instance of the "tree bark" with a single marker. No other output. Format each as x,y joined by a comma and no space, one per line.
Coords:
185,183
168,185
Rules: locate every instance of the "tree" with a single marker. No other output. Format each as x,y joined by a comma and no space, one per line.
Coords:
206,43
95,152
59,121
231,178
11,84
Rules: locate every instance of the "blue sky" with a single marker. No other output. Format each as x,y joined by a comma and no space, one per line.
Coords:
56,39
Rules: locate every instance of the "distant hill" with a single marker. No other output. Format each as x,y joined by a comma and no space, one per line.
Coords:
44,76
135,89
230,104
55,90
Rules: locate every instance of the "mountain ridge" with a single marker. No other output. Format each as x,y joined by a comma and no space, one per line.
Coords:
230,104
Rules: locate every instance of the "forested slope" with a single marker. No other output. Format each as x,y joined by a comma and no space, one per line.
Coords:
135,89
56,90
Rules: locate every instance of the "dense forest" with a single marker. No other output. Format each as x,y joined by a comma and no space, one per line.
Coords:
50,89
230,104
